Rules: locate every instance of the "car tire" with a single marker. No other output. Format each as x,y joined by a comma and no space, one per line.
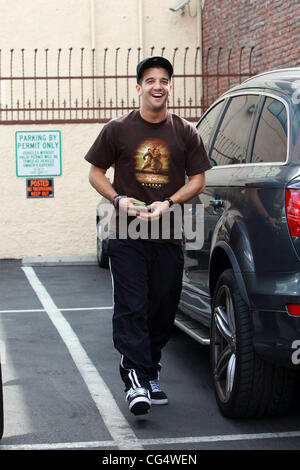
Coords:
1,406
102,255
245,385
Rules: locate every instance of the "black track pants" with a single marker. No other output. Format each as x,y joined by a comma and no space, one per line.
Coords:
147,280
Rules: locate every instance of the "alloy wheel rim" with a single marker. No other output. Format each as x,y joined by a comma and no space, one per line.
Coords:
224,344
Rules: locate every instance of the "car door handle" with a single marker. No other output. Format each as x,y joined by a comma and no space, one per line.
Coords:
217,203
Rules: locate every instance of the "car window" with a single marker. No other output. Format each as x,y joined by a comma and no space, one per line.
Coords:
270,144
231,142
207,124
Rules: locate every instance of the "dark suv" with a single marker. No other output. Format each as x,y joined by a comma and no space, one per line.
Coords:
241,290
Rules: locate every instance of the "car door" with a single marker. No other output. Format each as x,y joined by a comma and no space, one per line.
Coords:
227,147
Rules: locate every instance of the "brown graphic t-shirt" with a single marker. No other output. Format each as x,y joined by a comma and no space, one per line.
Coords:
150,159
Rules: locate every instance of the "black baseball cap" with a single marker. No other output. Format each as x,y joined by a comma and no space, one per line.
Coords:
153,62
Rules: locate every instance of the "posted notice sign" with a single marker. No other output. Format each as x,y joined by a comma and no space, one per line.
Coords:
39,188
38,153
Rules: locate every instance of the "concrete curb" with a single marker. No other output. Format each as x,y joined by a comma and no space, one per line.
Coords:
59,260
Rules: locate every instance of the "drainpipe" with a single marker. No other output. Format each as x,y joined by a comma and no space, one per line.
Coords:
141,27
200,6
93,47
199,22
93,24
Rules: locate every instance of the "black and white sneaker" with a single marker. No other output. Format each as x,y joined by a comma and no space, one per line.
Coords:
158,397
138,400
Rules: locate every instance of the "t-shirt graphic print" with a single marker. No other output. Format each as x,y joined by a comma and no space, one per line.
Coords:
152,160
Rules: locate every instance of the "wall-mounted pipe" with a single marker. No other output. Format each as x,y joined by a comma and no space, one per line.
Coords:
141,26
93,23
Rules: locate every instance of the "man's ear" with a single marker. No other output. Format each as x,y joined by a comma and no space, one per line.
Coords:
170,89
138,89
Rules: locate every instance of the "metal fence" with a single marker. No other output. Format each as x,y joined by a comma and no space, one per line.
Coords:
85,86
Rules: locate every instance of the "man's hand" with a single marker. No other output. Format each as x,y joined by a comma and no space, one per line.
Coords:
154,210
126,205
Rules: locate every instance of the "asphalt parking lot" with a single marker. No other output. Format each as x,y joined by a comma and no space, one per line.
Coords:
61,384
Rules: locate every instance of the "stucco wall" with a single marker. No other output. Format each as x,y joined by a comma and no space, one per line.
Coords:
97,23
64,224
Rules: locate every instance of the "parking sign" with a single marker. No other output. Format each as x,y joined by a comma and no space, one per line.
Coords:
38,153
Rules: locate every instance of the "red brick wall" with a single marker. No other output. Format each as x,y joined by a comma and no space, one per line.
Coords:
270,27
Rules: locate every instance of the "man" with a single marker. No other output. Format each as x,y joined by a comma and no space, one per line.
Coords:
146,272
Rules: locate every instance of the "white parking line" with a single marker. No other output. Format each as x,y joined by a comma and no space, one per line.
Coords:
156,442
113,418
33,310
221,438
79,309
75,309
60,446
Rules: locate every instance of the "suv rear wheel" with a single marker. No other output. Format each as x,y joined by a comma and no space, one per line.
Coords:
102,256
245,386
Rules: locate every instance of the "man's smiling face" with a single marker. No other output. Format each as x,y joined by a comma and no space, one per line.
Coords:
154,89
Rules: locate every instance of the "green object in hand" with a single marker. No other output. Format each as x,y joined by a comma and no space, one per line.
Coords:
139,203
